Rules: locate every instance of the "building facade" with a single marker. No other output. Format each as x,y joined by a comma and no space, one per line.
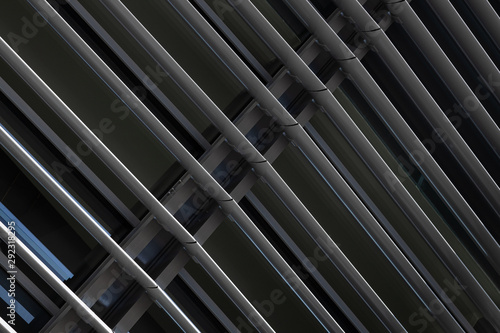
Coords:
250,166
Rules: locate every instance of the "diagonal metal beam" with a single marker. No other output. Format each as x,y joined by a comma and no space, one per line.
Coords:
199,173
164,218
313,271
266,100
468,43
423,99
74,208
67,152
6,328
488,17
40,268
446,70
410,142
157,51
403,133
251,154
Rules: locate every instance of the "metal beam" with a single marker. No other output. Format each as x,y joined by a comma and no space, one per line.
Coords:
199,173
413,146
488,18
205,299
468,43
32,288
40,268
68,153
314,85
425,102
262,167
390,230
313,271
6,328
74,208
139,73
448,73
162,214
